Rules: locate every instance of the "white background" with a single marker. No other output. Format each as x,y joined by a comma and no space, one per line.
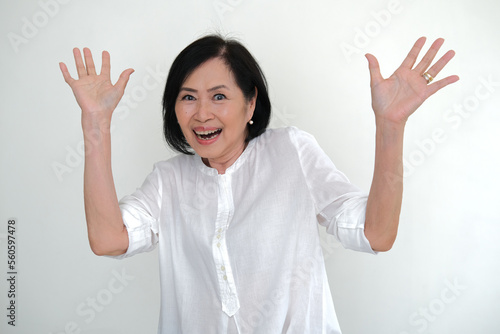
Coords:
442,274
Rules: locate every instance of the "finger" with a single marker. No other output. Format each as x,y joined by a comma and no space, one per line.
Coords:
374,67
89,61
411,58
123,80
80,67
106,64
429,56
65,73
441,63
441,84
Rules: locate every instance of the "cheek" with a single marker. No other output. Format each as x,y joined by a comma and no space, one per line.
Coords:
182,119
182,114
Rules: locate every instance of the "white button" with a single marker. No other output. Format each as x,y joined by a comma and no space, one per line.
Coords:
225,277
223,268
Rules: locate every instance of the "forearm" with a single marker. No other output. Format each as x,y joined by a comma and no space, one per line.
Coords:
384,201
106,231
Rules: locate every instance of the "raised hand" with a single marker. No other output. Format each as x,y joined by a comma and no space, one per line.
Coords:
97,98
95,94
394,99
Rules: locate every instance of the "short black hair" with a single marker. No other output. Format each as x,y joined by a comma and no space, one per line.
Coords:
246,71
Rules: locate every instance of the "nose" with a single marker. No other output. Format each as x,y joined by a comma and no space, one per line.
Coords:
204,111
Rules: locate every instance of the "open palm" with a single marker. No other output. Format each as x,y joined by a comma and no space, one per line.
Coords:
95,94
397,97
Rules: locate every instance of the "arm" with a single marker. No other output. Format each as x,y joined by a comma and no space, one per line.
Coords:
393,100
97,98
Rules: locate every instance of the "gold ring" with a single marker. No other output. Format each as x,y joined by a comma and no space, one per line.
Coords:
428,77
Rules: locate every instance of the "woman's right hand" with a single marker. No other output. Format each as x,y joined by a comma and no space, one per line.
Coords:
95,94
98,98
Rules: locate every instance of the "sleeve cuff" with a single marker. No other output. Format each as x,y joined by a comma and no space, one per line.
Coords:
142,231
349,226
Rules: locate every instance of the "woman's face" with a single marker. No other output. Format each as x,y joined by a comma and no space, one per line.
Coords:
213,113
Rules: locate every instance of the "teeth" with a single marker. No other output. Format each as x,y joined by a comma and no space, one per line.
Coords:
207,135
206,132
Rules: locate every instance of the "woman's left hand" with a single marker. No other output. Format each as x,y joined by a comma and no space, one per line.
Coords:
394,99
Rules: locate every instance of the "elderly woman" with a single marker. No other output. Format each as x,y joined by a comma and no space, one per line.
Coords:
235,215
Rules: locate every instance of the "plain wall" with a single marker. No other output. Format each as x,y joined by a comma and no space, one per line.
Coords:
441,275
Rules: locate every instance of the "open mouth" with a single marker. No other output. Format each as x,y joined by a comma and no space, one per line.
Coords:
207,135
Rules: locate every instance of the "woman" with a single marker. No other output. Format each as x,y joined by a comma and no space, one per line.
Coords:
235,216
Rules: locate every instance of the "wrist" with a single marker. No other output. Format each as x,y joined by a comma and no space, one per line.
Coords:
94,122
96,131
389,124
389,133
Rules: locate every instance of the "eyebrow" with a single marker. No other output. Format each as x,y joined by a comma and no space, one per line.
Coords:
208,90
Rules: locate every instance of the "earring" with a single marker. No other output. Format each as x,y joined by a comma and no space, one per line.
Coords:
250,122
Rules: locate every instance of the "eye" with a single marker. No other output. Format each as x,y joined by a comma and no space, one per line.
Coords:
187,98
219,97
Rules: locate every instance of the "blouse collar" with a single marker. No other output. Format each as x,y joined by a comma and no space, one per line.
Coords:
231,169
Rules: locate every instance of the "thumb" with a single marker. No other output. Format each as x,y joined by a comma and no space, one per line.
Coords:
123,80
373,66
65,73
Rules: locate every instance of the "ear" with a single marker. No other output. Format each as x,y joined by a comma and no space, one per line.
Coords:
251,105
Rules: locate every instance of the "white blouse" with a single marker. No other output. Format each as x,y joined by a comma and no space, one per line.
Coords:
240,252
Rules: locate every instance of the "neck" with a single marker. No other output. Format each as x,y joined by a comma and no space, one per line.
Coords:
223,163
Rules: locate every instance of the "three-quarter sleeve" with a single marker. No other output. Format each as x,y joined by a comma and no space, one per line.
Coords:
340,206
140,213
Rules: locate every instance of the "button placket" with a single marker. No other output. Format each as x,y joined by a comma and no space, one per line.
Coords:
228,294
